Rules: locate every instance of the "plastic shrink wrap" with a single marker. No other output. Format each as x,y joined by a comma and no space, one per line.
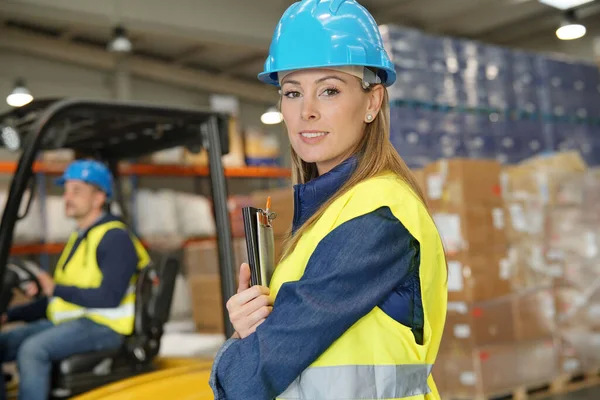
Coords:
195,216
157,214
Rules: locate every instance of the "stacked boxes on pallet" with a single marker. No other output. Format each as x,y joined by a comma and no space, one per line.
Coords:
524,283
561,200
490,342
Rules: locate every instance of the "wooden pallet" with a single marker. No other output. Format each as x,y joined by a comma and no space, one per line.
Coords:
562,384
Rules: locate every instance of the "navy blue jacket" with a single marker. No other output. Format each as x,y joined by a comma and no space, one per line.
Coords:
117,259
369,261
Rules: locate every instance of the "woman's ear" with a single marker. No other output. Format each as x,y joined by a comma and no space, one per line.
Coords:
375,99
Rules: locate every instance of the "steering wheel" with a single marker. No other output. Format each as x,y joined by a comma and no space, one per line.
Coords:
26,271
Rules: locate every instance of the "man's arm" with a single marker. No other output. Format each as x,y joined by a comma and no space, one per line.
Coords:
352,270
29,312
117,260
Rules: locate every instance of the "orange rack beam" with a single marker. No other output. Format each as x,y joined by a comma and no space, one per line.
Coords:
9,167
56,248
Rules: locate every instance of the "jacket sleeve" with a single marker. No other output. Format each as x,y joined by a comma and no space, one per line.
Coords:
117,259
352,270
28,312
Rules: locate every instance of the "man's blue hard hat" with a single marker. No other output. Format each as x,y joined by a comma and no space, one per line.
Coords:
91,172
327,33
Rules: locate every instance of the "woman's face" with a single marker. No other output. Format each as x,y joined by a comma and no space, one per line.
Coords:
325,113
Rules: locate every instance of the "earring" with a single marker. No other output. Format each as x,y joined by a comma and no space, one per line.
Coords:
369,117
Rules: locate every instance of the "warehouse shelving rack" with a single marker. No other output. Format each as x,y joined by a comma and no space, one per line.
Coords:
134,171
44,169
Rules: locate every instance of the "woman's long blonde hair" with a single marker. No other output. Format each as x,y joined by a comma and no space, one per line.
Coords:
375,155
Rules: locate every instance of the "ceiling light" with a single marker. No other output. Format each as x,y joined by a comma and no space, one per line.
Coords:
564,4
120,42
20,95
271,116
570,29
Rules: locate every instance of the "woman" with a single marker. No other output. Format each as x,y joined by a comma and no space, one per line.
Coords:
356,307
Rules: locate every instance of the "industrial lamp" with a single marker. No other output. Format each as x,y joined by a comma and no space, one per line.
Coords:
20,95
569,28
120,42
271,116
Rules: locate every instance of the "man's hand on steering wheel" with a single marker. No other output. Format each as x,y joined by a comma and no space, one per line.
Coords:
30,289
46,282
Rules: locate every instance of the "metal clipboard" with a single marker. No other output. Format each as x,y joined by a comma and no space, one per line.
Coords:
260,243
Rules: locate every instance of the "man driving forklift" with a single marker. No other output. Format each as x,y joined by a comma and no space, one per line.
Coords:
88,303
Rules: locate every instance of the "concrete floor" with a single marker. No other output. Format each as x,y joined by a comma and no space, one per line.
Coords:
586,394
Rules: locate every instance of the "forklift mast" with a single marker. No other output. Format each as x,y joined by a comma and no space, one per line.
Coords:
116,131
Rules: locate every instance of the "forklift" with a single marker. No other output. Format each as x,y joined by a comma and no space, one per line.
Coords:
113,132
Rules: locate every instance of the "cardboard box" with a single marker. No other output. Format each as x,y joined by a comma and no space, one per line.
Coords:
525,219
535,314
480,324
550,179
471,228
580,350
459,182
531,265
207,306
478,278
497,370
578,309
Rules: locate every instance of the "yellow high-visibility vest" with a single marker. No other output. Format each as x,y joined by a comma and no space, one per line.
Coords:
82,271
378,357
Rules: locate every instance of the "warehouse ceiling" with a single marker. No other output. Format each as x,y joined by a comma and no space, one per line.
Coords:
221,45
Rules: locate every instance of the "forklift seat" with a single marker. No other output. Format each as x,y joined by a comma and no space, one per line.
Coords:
83,372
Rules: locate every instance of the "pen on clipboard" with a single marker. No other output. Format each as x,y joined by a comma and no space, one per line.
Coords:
266,216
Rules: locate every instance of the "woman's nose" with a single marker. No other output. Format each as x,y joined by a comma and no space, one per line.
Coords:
309,110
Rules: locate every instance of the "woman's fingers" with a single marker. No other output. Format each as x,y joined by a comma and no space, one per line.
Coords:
254,320
244,278
246,296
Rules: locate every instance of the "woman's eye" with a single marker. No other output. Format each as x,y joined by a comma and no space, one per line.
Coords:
291,94
331,92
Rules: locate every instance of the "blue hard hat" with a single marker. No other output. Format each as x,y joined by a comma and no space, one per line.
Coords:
327,33
89,171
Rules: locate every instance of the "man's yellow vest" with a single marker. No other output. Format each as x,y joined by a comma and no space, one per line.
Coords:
82,271
377,358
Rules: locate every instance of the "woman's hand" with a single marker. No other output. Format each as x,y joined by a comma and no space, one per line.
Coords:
250,306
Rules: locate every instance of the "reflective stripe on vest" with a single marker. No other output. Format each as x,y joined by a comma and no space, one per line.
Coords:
126,310
360,382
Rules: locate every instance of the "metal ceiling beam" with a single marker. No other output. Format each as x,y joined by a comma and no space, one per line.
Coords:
510,32
485,10
56,49
97,16
188,54
524,28
242,61
384,13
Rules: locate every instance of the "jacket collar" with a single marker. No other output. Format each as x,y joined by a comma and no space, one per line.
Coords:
308,197
104,218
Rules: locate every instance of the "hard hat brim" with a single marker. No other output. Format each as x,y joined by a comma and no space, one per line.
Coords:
271,77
